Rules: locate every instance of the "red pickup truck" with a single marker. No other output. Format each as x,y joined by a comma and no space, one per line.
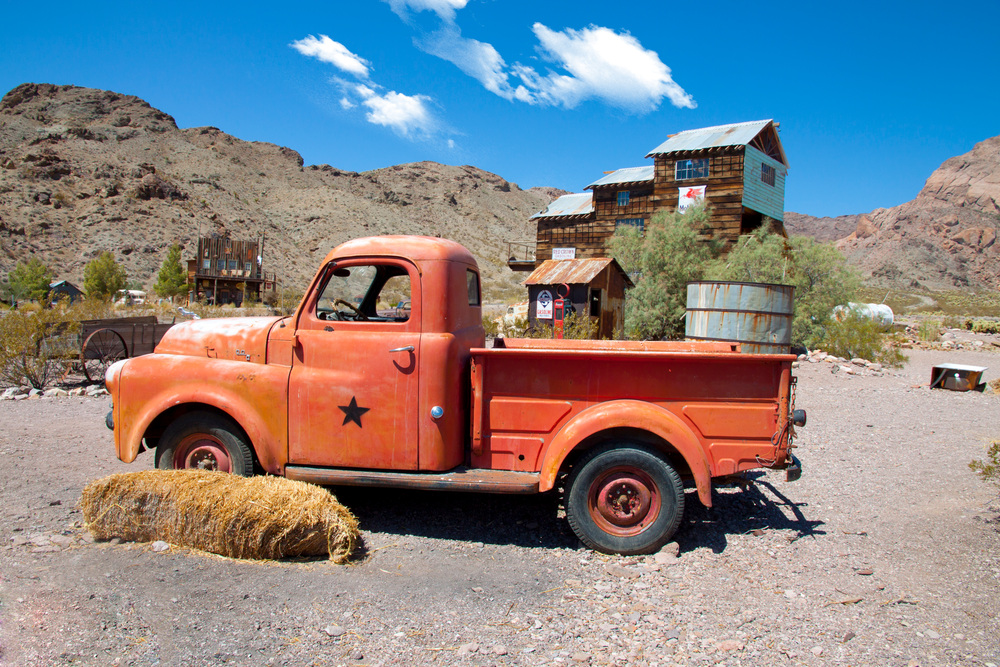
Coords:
354,390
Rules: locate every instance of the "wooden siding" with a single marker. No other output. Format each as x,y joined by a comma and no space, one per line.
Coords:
585,234
759,196
723,187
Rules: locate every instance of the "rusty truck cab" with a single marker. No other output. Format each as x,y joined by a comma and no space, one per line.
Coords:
382,339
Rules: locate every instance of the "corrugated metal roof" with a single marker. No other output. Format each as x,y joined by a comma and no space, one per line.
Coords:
736,134
626,175
575,204
571,271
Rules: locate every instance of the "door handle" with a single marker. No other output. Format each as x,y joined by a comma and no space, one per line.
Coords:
408,348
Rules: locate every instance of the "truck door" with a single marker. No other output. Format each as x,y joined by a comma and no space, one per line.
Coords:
352,399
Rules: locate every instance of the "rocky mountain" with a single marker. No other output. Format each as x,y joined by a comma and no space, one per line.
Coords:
946,238
84,170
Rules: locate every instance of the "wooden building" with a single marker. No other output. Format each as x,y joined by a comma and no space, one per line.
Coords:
229,271
738,170
596,288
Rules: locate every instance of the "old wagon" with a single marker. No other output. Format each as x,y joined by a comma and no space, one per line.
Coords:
107,341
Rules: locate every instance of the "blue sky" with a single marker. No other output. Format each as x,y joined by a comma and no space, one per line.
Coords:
871,97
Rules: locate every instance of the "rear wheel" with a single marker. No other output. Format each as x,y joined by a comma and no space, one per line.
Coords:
624,499
205,441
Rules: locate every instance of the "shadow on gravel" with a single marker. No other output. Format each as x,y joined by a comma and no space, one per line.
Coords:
525,521
743,509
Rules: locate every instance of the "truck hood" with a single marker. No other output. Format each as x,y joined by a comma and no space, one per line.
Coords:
235,338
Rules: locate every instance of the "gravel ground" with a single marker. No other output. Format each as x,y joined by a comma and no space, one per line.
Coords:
884,553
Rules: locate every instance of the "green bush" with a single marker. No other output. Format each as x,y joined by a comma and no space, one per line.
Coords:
575,327
103,277
855,336
818,272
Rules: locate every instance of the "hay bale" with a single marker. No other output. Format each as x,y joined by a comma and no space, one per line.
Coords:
239,517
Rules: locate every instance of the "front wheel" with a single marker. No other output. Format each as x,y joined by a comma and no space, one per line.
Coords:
204,441
624,499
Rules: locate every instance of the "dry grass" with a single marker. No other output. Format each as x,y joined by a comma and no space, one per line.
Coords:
239,517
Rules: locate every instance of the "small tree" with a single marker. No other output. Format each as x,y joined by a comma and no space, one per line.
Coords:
172,279
29,281
103,277
673,251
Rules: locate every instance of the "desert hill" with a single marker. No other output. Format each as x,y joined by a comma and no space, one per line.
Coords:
84,170
945,238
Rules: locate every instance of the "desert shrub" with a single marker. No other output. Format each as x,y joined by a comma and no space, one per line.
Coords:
492,326
985,326
860,337
929,331
36,346
988,470
575,327
818,272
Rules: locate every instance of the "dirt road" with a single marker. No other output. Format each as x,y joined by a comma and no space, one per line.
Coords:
886,552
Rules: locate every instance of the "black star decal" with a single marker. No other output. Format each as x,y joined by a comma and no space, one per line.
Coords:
352,413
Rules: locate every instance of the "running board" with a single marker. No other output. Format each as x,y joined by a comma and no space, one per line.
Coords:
477,480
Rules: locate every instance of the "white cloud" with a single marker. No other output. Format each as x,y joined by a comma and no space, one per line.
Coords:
409,115
604,65
444,8
346,104
477,59
335,53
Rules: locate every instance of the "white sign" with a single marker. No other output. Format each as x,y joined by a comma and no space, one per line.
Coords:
543,311
564,253
690,195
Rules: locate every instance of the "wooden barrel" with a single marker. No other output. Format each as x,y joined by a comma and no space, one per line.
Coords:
756,315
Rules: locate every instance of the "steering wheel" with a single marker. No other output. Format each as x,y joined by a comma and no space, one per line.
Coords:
358,315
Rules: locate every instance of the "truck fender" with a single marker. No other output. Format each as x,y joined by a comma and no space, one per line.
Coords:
630,414
262,439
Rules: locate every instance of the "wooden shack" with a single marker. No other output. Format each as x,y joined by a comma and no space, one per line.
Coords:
738,170
593,287
229,271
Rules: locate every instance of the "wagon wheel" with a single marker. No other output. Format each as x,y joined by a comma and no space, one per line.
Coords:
101,349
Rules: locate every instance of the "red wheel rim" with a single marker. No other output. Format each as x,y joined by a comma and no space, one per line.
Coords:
202,451
624,501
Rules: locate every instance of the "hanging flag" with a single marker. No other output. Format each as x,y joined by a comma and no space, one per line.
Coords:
690,195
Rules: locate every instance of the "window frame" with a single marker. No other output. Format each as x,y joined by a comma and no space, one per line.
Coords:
768,174
624,197
692,168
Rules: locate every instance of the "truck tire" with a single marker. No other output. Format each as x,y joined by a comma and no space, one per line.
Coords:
624,499
206,441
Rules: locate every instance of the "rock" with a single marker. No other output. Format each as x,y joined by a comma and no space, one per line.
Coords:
356,654
468,649
499,649
669,551
931,634
54,392
334,630
62,540
581,657
835,369
817,651
848,370
619,571
729,645
160,545
848,637
77,391
857,361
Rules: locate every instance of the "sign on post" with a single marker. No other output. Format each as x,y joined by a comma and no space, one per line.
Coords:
543,310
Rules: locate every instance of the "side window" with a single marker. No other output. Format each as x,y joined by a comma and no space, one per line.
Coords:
472,287
366,293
